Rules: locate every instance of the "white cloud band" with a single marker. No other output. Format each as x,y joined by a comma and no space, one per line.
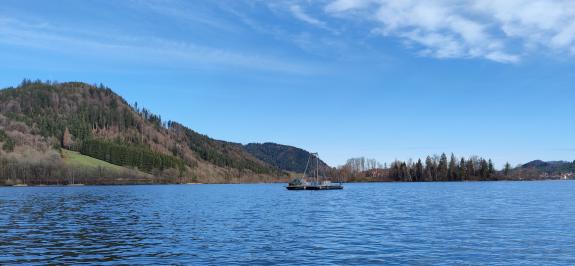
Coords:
498,30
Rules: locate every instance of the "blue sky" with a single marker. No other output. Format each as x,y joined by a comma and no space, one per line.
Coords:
345,78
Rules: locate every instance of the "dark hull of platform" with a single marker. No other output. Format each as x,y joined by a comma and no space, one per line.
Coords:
331,187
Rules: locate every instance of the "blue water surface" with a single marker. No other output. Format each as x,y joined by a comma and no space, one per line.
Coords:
473,223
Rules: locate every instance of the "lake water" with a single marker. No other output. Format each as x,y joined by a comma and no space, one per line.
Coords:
485,223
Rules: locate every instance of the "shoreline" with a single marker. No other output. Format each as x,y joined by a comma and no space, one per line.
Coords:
263,183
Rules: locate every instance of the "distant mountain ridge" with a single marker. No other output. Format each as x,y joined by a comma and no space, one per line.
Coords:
551,167
287,158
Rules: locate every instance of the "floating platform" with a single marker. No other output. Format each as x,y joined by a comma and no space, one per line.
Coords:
316,182
315,187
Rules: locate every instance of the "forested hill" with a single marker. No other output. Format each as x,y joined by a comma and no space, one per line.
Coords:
39,120
284,157
551,167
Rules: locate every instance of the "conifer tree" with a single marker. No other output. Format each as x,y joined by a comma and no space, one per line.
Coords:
452,170
418,171
442,168
462,169
490,167
507,169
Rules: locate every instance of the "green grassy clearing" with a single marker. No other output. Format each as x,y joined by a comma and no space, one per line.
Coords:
76,159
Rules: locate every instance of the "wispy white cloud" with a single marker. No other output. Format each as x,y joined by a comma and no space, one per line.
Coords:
346,5
548,23
324,44
180,10
117,46
298,12
502,31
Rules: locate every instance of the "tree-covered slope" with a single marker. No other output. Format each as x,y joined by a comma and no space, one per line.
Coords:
284,157
37,117
552,167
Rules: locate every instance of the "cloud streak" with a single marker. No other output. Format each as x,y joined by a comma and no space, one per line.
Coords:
501,31
43,35
298,12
